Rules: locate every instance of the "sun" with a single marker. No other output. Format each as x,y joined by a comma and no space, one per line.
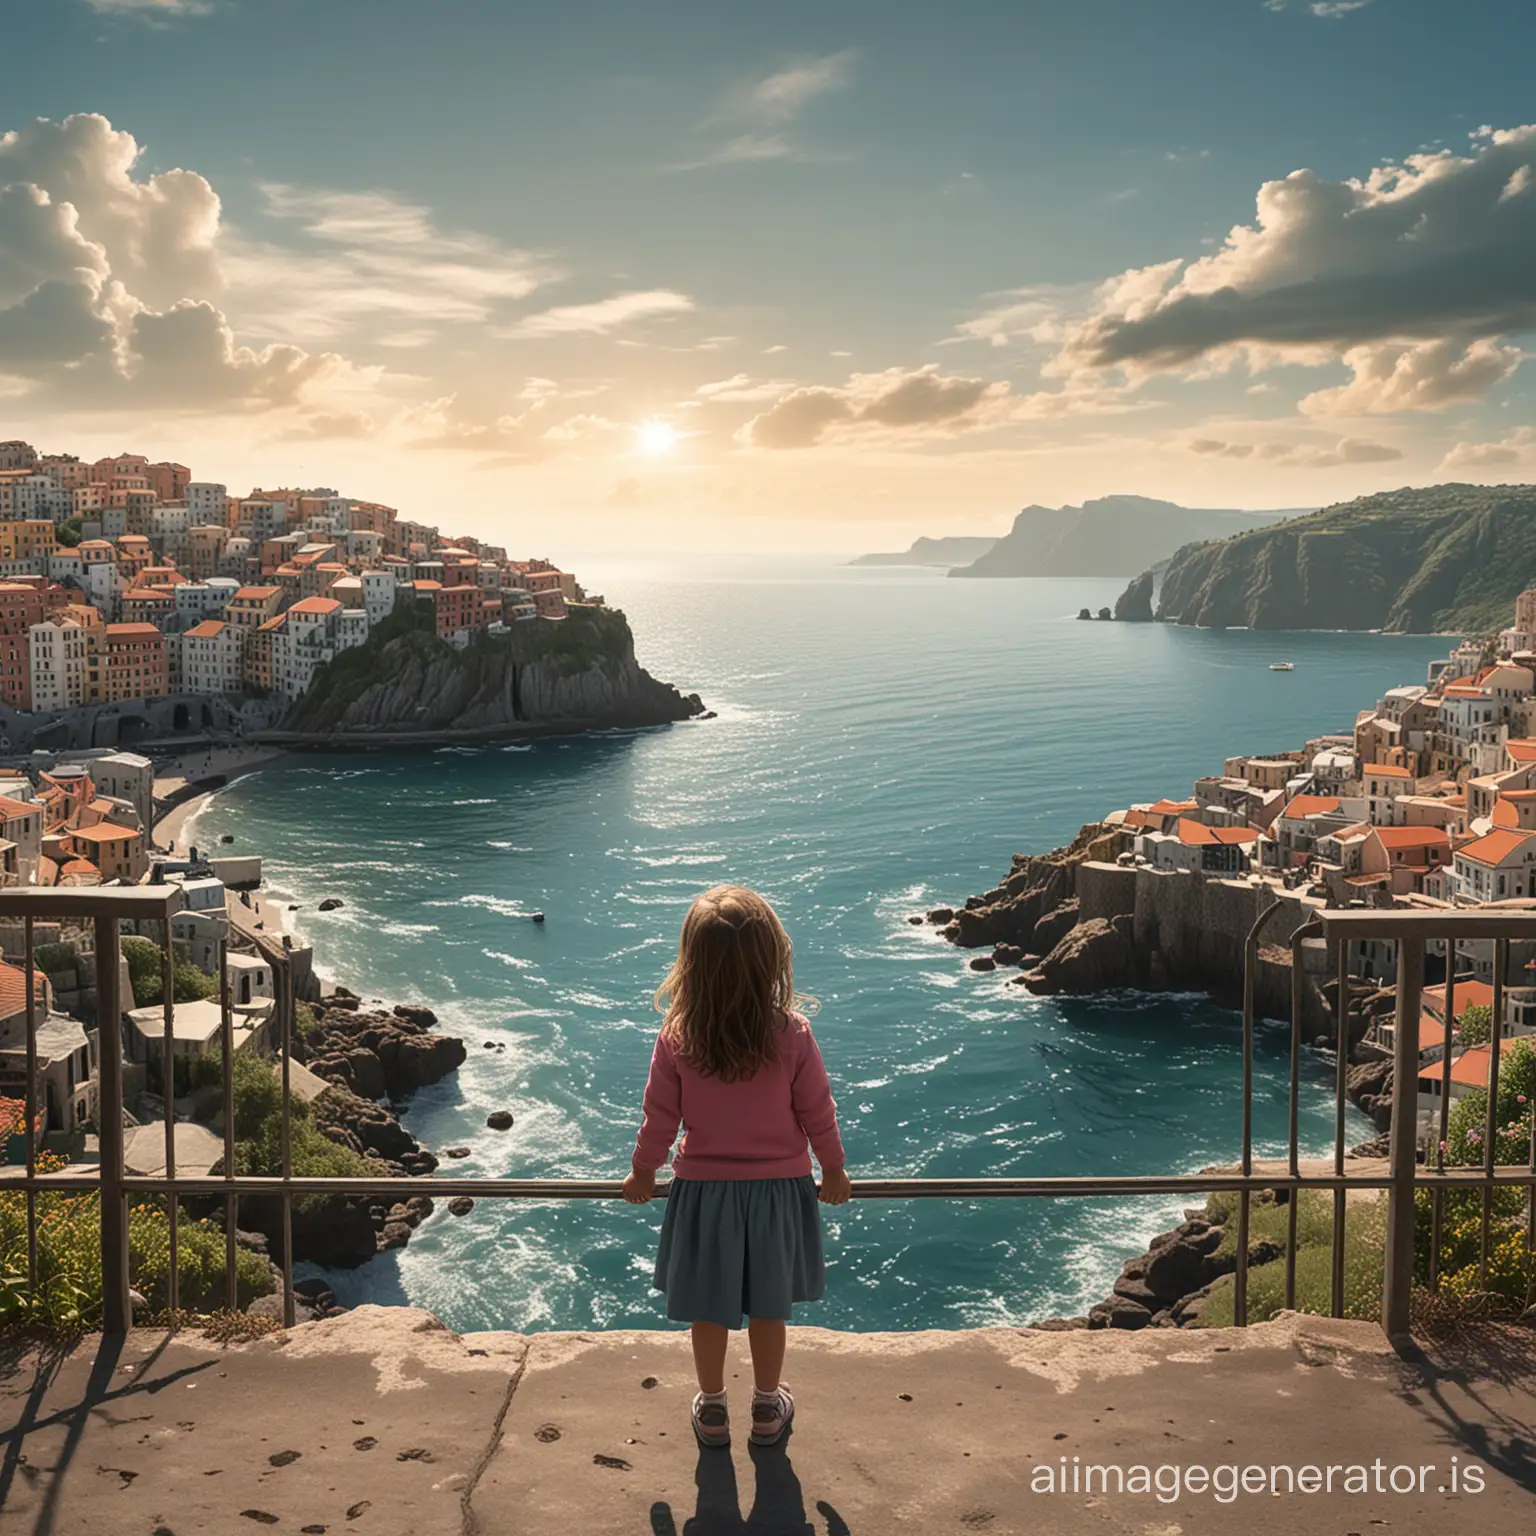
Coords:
655,438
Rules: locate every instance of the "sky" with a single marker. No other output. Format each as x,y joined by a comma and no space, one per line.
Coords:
708,275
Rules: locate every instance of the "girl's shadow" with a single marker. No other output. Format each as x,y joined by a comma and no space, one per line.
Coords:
778,1509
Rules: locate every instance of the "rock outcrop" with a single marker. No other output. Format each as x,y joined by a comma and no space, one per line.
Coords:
1134,605
405,682
1414,561
1096,956
1111,536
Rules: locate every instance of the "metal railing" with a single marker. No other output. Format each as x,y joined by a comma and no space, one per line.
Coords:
107,908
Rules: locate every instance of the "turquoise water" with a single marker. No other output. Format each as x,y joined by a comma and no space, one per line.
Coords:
886,740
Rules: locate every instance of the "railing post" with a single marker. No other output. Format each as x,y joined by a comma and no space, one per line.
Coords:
116,1312
1397,1282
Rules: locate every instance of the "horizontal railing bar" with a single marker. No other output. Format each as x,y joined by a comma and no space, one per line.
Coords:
125,902
1356,924
1514,1176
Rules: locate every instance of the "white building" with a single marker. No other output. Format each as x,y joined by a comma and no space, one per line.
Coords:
378,595
207,502
170,522
308,640
127,776
351,628
210,658
1496,867
58,665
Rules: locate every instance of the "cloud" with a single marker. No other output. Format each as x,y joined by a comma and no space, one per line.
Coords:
1519,447
756,115
901,402
151,10
1025,314
1370,272
1330,10
107,283
159,234
1426,377
1348,450
742,388
602,317
319,426
372,255
524,435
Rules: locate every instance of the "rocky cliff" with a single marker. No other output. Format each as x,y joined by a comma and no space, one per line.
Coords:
957,550
1112,536
1442,558
575,673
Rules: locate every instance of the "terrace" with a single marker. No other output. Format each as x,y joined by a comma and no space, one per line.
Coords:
383,1420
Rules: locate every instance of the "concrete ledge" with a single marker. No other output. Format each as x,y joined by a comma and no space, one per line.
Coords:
382,1421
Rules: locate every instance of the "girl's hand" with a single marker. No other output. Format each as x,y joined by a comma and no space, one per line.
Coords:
639,1187
836,1187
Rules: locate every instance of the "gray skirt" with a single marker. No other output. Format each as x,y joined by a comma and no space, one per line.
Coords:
734,1247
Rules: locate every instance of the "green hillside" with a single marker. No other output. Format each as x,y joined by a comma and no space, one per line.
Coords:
1438,559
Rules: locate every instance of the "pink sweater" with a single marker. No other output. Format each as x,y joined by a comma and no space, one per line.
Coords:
756,1129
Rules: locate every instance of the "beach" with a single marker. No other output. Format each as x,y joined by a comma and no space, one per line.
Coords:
177,775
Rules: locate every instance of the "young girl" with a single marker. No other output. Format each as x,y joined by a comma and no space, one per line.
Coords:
741,1070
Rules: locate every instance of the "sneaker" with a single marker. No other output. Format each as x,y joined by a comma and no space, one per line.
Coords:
711,1423
771,1416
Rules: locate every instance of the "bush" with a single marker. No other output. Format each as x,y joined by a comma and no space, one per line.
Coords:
1364,1257
188,984
1475,1026
69,1260
258,1131
53,958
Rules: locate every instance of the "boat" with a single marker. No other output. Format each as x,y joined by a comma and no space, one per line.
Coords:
1282,666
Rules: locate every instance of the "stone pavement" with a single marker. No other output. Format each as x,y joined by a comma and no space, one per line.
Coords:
381,1421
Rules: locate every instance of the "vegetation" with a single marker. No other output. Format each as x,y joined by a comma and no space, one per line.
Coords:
69,532
1441,558
1475,1026
258,1125
188,984
1510,1285
69,1225
68,1294
407,639
1364,1251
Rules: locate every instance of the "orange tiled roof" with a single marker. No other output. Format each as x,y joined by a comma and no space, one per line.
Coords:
1195,834
1413,837
207,630
1387,770
10,807
103,832
316,605
1310,805
1493,849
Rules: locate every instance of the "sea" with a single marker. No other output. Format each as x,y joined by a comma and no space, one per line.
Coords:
884,740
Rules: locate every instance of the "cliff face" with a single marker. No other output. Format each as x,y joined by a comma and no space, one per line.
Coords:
1113,536
579,672
1447,557
957,550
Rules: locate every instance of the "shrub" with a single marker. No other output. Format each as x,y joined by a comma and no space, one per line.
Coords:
1476,1024
188,984
68,1294
1364,1253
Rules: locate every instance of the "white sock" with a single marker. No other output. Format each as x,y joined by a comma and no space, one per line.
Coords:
759,1396
713,1397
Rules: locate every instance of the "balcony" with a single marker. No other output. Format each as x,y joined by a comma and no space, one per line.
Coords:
381,1420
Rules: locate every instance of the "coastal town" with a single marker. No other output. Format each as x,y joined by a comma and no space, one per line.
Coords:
1427,804
123,580
131,593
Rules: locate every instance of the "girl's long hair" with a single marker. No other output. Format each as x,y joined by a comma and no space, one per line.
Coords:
732,984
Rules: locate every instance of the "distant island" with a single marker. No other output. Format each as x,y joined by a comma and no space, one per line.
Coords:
1442,558
1110,536
942,552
